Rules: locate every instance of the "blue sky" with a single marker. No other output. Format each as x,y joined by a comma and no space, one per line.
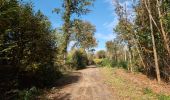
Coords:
102,16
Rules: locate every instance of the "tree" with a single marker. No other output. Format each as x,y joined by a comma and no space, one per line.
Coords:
125,31
27,47
101,54
112,49
84,34
153,42
146,35
71,7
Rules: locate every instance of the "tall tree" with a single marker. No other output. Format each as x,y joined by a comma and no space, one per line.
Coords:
148,7
83,34
71,7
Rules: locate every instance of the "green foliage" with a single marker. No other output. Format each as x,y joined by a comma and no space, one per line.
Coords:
71,8
28,94
163,97
160,96
147,90
28,45
97,61
101,54
110,63
123,64
107,62
84,34
79,59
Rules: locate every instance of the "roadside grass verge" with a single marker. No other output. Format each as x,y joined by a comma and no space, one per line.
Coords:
126,89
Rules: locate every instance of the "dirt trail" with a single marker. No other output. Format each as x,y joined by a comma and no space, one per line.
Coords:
84,84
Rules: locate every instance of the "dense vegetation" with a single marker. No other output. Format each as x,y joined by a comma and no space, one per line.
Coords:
33,54
31,51
27,46
142,37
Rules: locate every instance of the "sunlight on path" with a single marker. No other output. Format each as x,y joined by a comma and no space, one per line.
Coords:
89,87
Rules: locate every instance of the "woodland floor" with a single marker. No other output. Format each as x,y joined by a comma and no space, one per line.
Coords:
95,83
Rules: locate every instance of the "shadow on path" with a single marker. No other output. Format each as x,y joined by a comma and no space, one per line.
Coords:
72,78
68,79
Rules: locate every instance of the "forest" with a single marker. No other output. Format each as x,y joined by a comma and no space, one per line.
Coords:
34,55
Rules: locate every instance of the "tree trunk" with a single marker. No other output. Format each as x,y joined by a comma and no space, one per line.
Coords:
125,56
153,42
66,28
137,47
130,58
165,38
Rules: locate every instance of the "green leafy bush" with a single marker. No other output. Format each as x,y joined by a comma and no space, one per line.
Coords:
123,64
97,61
106,62
79,59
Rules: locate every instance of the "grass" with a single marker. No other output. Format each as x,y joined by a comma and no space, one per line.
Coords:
160,96
126,89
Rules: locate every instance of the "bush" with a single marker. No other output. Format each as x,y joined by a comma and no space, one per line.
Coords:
29,94
90,59
111,63
79,59
123,64
106,62
97,61
45,75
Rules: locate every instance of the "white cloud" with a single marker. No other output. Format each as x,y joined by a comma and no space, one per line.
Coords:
105,37
111,4
128,4
99,48
112,24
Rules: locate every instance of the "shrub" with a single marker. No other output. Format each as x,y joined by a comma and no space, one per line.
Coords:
123,64
106,62
45,75
28,94
79,59
90,59
109,63
97,61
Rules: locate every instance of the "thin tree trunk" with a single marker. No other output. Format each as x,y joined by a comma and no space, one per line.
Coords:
153,42
125,56
162,28
130,58
140,56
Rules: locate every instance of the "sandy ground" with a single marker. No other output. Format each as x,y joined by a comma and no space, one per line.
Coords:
84,84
